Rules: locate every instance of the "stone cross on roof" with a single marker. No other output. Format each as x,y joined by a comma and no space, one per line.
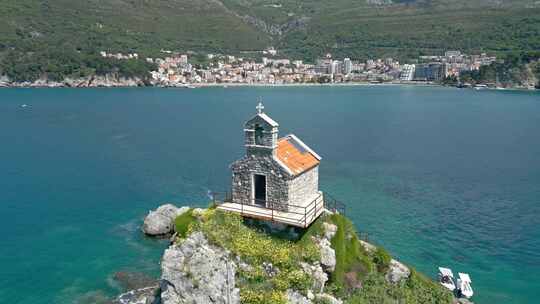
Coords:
259,108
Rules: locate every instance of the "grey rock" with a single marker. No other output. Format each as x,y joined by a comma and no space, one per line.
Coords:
146,295
161,221
198,273
328,299
310,294
329,230
369,247
328,255
317,274
294,297
277,29
270,269
397,272
110,80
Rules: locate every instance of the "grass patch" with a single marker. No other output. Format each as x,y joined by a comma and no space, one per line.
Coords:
183,222
353,263
248,296
228,231
416,290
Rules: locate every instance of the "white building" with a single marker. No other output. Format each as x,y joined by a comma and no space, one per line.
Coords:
407,72
183,59
335,67
347,66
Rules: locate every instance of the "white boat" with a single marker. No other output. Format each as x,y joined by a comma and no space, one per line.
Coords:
464,285
446,278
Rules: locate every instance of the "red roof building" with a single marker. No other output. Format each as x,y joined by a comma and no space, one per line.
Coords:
278,178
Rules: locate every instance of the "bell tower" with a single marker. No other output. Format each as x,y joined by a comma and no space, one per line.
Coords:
261,133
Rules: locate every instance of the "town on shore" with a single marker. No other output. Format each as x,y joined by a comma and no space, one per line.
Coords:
175,69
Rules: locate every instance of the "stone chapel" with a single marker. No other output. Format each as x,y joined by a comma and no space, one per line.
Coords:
277,177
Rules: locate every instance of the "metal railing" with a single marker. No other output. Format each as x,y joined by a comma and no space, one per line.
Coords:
281,212
333,204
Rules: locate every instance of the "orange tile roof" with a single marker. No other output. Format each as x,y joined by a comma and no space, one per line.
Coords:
295,155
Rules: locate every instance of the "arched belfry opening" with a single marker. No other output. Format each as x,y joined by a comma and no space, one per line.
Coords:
258,134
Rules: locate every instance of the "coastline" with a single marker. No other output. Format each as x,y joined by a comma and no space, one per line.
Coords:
139,84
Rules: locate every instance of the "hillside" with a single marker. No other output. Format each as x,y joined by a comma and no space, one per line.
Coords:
403,29
219,257
37,33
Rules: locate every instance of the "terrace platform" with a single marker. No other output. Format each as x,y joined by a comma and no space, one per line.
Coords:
298,216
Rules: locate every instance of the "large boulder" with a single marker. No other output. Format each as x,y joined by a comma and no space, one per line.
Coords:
198,273
397,272
161,221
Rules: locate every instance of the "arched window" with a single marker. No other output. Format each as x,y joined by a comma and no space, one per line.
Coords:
259,135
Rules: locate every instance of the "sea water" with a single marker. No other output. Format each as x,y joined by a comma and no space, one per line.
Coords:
439,176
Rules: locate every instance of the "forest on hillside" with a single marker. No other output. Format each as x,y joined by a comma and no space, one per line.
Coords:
62,38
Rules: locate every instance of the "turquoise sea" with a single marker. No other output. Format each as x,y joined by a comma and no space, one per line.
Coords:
439,176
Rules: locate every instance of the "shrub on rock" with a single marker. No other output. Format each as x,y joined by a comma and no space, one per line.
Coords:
382,259
161,221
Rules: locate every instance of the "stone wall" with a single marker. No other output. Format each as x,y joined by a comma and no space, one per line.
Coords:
276,179
304,188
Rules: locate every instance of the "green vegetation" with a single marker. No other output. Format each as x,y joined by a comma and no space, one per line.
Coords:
382,259
255,247
417,289
57,65
356,268
358,277
61,38
352,260
403,30
182,224
516,69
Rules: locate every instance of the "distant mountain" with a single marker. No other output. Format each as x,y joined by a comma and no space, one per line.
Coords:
304,29
398,28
